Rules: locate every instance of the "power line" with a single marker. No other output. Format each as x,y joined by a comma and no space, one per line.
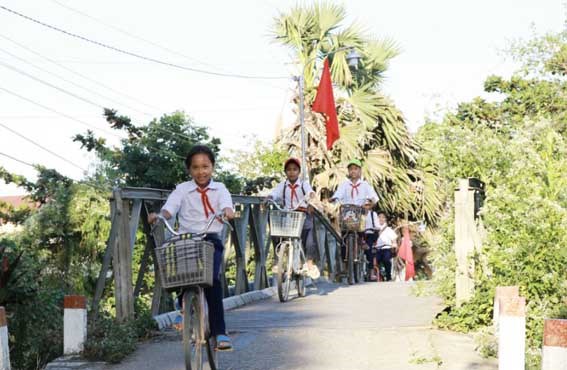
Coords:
73,118
129,34
16,159
53,61
139,56
59,113
88,101
42,147
73,83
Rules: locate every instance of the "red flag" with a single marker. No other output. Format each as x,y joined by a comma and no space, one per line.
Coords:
325,103
406,253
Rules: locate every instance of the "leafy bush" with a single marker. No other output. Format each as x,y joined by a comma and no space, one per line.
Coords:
111,341
518,147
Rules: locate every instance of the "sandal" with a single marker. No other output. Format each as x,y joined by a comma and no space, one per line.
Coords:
223,343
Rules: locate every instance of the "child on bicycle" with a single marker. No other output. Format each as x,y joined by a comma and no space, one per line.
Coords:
194,202
371,233
355,191
292,193
386,241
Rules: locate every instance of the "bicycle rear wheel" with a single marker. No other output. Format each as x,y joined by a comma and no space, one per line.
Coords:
360,267
193,332
285,270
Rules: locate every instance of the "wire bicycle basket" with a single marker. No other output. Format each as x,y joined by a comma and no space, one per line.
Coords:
352,218
286,224
185,262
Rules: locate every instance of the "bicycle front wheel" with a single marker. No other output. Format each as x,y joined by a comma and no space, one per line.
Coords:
193,332
285,270
300,276
351,239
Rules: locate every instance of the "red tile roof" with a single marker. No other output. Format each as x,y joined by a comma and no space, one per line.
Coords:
17,201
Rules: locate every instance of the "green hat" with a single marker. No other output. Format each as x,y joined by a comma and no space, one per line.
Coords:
356,162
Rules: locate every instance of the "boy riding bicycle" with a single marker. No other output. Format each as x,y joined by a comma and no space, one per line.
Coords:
292,193
193,202
355,191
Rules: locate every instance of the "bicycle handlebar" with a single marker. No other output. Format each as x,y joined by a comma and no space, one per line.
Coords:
217,216
270,200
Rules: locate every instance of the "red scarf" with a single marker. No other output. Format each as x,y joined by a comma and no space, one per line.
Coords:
206,203
293,192
353,188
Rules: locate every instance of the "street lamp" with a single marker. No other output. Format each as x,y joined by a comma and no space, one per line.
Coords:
353,58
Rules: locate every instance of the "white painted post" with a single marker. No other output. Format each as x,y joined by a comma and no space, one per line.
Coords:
512,334
75,324
502,292
467,239
5,350
554,353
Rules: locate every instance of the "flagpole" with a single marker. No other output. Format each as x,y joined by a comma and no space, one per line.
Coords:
304,174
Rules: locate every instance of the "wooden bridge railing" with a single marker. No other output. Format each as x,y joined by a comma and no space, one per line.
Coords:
129,208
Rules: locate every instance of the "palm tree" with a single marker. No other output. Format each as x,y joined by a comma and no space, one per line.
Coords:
371,127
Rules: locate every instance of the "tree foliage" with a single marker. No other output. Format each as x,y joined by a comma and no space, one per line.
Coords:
371,127
517,146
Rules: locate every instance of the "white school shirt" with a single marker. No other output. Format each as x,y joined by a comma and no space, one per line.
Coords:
361,191
278,193
372,215
387,237
186,203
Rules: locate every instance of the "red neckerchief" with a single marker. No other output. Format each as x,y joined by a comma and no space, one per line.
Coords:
293,192
353,188
205,200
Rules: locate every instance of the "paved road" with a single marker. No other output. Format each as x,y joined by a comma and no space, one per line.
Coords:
369,326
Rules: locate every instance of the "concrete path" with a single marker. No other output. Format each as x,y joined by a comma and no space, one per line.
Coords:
369,326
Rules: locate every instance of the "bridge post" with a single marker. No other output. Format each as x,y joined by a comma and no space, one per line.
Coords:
4,349
554,353
259,222
512,334
74,324
466,240
240,240
502,292
122,261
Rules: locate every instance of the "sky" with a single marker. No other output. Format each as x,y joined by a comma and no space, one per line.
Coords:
448,48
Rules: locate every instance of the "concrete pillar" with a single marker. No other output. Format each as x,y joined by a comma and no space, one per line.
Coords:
502,292
74,324
512,334
467,239
554,352
4,350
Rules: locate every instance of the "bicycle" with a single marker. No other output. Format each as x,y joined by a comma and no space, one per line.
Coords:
288,225
352,222
186,261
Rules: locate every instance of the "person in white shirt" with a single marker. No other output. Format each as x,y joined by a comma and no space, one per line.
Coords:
371,237
293,193
194,202
386,241
355,190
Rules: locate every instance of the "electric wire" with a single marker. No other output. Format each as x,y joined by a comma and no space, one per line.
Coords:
139,56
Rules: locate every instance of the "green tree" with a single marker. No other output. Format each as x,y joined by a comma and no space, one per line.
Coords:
150,156
260,165
516,145
371,127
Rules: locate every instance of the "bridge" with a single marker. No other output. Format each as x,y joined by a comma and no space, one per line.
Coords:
366,326
335,327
